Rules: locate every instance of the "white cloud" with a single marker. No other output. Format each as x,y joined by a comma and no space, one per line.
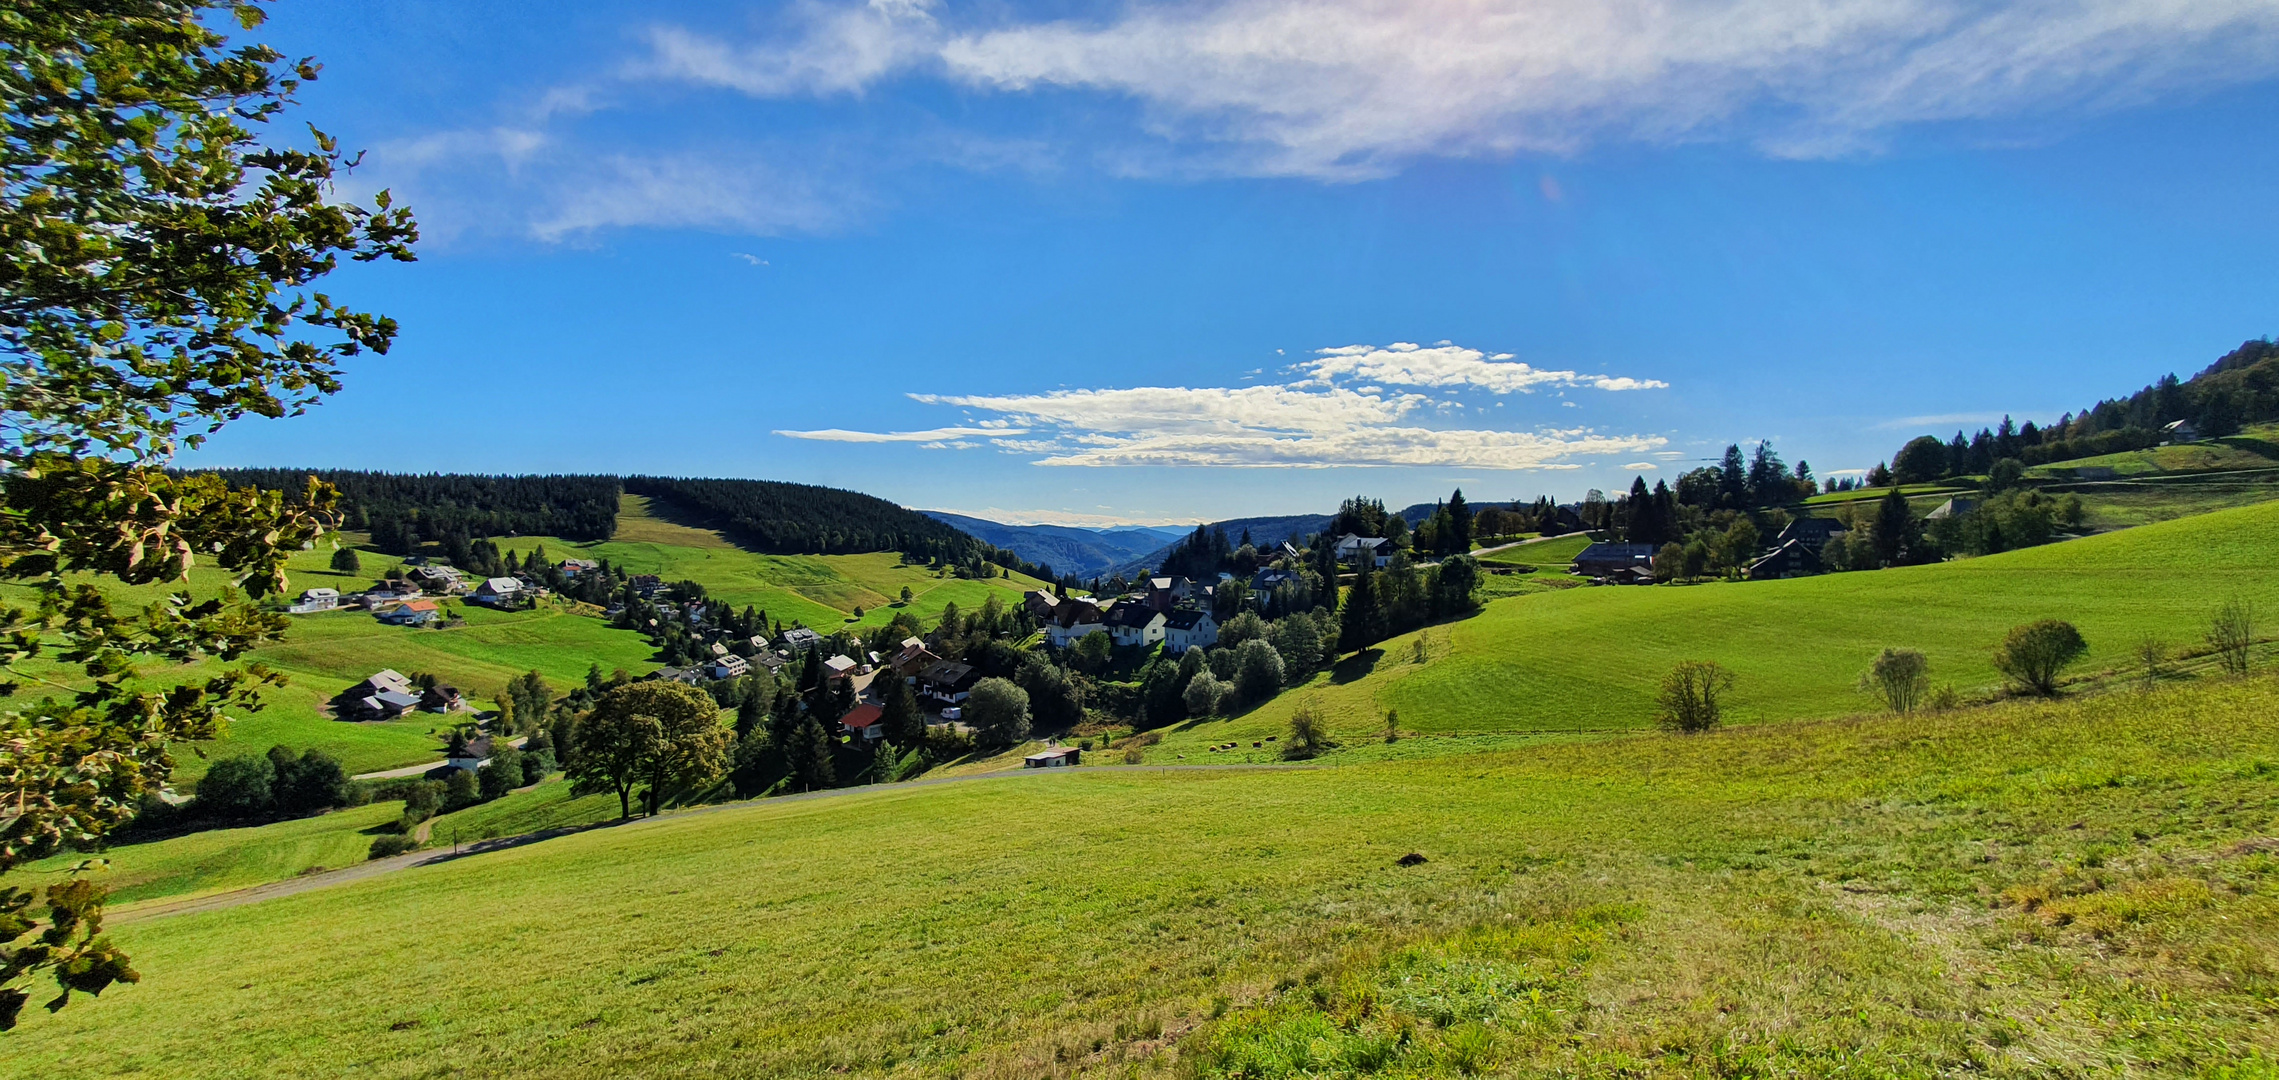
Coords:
935,436
1309,423
1641,466
749,258
1669,455
1351,88
1407,364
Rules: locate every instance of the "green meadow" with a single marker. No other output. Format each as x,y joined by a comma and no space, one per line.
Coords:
821,591
1589,659
2085,887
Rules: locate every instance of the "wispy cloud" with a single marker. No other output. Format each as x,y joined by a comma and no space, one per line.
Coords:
1641,466
1446,365
933,436
1940,420
1352,88
1308,423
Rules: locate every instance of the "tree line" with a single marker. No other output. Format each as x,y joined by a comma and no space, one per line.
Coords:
405,511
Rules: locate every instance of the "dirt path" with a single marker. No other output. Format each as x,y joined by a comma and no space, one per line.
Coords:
159,909
1519,543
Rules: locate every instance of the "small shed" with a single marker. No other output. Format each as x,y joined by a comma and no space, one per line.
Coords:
1058,757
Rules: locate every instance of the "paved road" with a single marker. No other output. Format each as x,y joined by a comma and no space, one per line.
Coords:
349,875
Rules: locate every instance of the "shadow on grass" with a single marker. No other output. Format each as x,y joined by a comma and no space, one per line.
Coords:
2260,446
1355,667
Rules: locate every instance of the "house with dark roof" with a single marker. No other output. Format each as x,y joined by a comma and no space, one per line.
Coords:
1075,617
1058,757
1793,558
912,657
1351,549
1189,628
2180,431
1266,581
1039,604
799,639
1604,559
1135,624
1165,593
1812,532
947,681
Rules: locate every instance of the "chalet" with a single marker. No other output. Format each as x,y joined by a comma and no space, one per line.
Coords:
499,592
1189,628
441,699
2180,431
415,613
316,600
1812,532
1059,757
1076,617
1793,558
383,596
1352,549
799,639
1134,624
1039,604
384,696
436,579
1955,507
912,657
1165,593
840,667
1601,560
471,756
729,666
947,681
864,720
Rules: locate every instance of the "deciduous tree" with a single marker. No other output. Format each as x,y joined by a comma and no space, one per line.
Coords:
2034,654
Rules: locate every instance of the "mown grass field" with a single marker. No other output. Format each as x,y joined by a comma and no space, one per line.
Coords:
1590,659
219,860
2024,890
821,591
2253,448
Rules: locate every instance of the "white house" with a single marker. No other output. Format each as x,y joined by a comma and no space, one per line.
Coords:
1134,624
1189,628
316,600
499,591
1351,549
1059,757
730,666
1076,617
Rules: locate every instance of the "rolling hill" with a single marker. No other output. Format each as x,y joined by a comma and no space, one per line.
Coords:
1065,548
2019,890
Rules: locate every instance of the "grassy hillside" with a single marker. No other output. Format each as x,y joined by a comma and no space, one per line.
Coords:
2254,448
2025,890
819,590
1591,658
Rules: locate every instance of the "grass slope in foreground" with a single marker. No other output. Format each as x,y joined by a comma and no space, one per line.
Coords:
2021,890
1590,659
821,591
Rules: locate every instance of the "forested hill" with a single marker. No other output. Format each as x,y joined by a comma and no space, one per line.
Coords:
2241,387
403,511
802,519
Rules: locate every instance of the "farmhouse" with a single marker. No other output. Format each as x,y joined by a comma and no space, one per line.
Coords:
436,579
1165,593
1189,628
441,699
1794,558
1812,532
1059,757
471,757
2180,431
499,592
912,657
415,613
840,667
1603,560
1352,549
1039,604
1135,624
574,567
1955,507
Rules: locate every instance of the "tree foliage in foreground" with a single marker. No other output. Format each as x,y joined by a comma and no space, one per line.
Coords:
156,264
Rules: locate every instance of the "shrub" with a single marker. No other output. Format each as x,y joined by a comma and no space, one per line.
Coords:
346,561
1688,701
2152,662
1901,677
2230,631
2032,655
1944,699
1308,736
1392,725
238,787
356,793
421,800
384,846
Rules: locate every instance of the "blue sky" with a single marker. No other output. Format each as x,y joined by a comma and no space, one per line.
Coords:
1160,263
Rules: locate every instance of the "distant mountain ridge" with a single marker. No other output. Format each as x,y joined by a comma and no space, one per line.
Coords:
1068,549
1264,532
